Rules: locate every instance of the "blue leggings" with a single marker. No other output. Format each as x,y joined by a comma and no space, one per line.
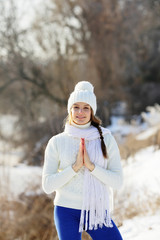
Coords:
67,225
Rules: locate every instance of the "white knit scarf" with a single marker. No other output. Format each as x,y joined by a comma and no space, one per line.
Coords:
95,209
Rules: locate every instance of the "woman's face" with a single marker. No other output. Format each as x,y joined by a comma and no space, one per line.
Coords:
81,113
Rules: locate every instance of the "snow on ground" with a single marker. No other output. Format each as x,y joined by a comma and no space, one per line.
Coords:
148,133
15,178
8,155
19,179
144,170
119,125
151,123
141,228
140,190
152,117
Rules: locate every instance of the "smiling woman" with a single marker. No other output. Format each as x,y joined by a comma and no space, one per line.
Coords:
81,165
81,113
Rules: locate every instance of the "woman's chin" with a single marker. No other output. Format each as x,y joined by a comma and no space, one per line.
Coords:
80,121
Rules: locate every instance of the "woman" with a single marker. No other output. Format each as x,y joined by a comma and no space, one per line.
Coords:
82,164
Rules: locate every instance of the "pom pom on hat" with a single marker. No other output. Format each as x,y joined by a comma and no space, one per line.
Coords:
85,86
83,92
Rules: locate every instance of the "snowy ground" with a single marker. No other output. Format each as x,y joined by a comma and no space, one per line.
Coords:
19,179
141,189
141,228
143,171
141,179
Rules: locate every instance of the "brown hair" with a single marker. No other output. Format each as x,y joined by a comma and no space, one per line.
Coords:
96,122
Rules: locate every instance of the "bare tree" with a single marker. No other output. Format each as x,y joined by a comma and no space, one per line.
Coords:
111,44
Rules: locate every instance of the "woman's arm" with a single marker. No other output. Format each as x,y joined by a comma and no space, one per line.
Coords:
112,176
51,178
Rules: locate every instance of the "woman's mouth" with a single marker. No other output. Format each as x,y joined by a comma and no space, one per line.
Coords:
80,117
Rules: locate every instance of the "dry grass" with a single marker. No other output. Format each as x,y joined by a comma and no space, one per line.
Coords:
132,145
31,217
127,206
28,218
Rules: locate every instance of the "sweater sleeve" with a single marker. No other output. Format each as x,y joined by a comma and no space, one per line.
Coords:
51,178
112,176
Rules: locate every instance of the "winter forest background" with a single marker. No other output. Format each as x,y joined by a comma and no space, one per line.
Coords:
46,47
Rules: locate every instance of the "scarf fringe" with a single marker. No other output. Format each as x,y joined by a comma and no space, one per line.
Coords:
85,224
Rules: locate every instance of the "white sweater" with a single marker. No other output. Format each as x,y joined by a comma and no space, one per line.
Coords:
58,174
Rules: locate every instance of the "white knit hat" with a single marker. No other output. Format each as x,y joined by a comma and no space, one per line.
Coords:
83,92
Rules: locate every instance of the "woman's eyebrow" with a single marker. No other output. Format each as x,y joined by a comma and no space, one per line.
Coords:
75,104
79,104
86,105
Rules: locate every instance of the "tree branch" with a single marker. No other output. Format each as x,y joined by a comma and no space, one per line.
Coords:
3,87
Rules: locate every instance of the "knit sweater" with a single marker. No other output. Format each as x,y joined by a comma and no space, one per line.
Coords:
58,174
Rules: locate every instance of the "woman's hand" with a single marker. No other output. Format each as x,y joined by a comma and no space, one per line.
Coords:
80,158
87,162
